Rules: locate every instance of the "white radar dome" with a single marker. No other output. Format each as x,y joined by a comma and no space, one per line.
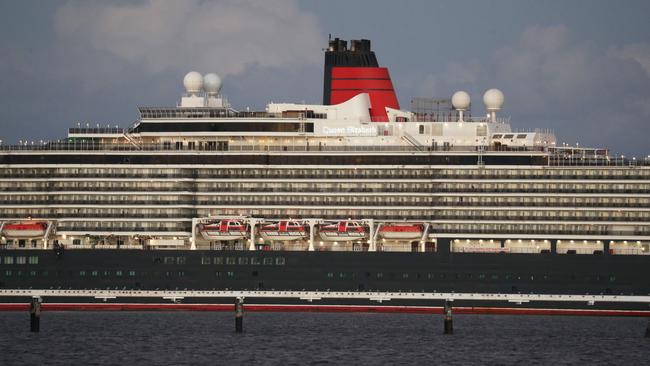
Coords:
212,83
193,82
493,99
460,100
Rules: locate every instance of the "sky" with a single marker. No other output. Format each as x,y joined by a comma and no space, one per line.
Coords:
578,67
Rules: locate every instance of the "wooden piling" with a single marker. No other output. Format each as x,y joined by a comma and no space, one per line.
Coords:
239,315
35,315
449,321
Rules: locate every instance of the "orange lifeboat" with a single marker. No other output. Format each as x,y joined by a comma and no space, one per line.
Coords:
25,229
342,231
283,230
401,231
225,230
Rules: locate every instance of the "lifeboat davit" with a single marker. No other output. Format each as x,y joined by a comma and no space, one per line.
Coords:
225,230
25,229
401,231
283,230
342,231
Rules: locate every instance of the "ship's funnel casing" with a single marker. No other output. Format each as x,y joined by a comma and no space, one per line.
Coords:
355,71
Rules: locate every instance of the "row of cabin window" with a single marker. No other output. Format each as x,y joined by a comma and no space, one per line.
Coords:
23,243
280,261
458,276
32,259
322,172
84,273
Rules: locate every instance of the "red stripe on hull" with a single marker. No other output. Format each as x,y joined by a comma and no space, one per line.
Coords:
322,309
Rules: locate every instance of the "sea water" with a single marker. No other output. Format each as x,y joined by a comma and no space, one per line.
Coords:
208,338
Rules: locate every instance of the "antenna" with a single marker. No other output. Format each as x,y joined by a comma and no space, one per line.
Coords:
493,100
460,100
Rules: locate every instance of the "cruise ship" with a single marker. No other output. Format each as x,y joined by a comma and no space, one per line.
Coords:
353,194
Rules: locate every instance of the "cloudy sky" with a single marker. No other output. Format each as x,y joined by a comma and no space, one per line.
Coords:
579,67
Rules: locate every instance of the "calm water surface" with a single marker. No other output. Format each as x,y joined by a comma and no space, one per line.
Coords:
191,338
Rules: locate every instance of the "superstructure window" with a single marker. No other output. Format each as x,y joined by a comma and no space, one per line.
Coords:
508,136
522,136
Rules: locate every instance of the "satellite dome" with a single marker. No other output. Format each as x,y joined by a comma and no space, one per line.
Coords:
493,99
460,100
193,82
212,83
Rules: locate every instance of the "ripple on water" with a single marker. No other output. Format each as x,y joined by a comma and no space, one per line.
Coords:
195,338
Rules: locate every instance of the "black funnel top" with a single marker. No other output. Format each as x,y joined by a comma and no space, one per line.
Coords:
337,54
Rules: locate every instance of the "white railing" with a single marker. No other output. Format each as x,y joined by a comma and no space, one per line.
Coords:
320,295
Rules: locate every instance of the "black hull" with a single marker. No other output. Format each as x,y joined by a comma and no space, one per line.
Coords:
349,271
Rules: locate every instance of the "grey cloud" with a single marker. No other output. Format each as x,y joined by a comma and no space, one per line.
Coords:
224,36
588,94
